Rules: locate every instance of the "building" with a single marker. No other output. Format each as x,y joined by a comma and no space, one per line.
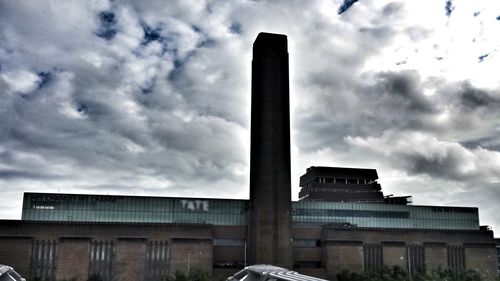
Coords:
270,176
74,235
342,222
335,184
497,241
340,185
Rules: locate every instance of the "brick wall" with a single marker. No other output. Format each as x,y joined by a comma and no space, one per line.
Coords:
482,257
191,254
16,252
192,245
72,258
435,256
343,255
129,261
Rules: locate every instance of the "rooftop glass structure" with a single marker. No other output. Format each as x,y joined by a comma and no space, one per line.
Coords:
136,209
131,209
381,215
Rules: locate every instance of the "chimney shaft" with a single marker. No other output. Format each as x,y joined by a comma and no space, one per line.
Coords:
270,188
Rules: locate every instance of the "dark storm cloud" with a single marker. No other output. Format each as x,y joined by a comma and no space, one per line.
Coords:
417,154
9,174
472,114
402,90
396,101
472,98
447,164
437,167
491,142
469,108
392,100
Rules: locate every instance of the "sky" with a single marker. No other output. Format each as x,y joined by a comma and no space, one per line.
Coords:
152,97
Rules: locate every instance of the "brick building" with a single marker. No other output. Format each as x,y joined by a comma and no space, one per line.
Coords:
343,221
62,236
497,241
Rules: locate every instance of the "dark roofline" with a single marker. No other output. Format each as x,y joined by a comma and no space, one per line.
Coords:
131,196
343,170
241,200
27,222
340,172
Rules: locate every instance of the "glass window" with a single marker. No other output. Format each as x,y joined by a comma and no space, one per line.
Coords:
306,243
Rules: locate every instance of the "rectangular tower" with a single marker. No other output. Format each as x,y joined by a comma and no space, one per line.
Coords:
270,194
335,184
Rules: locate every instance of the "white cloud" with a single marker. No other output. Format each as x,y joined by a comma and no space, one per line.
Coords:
21,81
442,46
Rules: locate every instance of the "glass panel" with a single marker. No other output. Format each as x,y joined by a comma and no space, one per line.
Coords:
67,207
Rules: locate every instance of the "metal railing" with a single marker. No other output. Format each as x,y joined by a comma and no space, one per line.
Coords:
264,272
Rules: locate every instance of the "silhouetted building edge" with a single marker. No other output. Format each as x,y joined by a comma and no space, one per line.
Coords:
270,176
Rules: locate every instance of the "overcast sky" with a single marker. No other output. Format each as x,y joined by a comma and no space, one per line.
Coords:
153,97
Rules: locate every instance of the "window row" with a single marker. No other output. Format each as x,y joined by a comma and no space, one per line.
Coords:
43,262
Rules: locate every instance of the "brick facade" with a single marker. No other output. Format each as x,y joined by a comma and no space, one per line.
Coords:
191,246
73,251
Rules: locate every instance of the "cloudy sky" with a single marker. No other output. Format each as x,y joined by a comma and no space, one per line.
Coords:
153,97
